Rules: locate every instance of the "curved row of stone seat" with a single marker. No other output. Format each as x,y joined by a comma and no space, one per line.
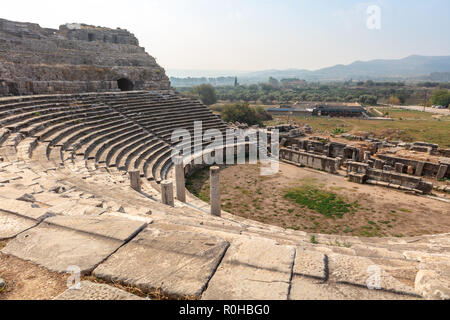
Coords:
76,121
345,257
75,158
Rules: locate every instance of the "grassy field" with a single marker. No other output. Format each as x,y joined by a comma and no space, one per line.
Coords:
407,126
308,200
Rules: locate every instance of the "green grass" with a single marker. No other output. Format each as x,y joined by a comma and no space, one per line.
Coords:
413,126
327,203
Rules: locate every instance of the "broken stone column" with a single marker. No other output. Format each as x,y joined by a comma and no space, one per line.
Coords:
367,155
135,180
442,171
167,193
215,191
419,168
179,179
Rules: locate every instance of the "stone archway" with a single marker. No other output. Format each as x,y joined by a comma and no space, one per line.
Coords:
125,84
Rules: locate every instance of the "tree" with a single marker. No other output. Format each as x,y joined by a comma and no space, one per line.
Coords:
241,112
206,93
274,82
368,99
394,100
441,97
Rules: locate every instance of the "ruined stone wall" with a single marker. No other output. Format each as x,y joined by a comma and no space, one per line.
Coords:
76,58
392,179
428,169
309,160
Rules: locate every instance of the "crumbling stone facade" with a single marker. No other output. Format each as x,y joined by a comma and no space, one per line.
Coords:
76,58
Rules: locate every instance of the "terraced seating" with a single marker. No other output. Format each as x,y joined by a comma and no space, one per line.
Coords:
64,188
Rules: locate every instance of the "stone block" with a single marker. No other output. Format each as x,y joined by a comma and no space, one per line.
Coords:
177,262
442,172
96,291
11,225
364,272
253,269
67,241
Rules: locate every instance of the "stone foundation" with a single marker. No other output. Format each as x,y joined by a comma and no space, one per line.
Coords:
309,160
361,172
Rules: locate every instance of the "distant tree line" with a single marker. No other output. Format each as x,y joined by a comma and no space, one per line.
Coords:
292,90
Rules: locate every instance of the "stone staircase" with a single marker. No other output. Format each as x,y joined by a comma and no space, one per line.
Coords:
65,201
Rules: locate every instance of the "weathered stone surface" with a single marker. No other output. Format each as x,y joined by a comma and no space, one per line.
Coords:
96,291
11,225
253,269
310,263
72,208
371,251
106,226
24,209
75,58
178,262
304,288
66,241
364,272
433,284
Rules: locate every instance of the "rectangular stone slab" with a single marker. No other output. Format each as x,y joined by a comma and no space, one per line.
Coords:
310,263
304,288
177,262
95,291
11,225
364,272
106,226
253,269
57,248
24,209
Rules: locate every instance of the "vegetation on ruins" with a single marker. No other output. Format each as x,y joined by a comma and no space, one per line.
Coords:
324,202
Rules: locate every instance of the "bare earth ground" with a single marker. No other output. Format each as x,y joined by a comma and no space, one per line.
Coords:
27,281
379,212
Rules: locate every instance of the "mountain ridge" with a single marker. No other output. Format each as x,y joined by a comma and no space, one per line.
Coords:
413,67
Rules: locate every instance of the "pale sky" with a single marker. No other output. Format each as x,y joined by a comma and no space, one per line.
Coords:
252,35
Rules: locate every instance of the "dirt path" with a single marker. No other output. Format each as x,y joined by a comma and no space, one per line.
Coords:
376,211
26,281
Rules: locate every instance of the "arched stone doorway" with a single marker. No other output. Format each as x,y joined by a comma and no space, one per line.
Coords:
125,84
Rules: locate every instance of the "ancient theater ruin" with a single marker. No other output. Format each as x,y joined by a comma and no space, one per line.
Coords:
88,184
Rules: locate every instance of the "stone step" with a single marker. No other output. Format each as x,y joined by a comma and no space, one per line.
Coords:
67,242
178,262
88,290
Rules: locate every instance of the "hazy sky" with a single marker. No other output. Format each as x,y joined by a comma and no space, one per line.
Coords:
257,34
